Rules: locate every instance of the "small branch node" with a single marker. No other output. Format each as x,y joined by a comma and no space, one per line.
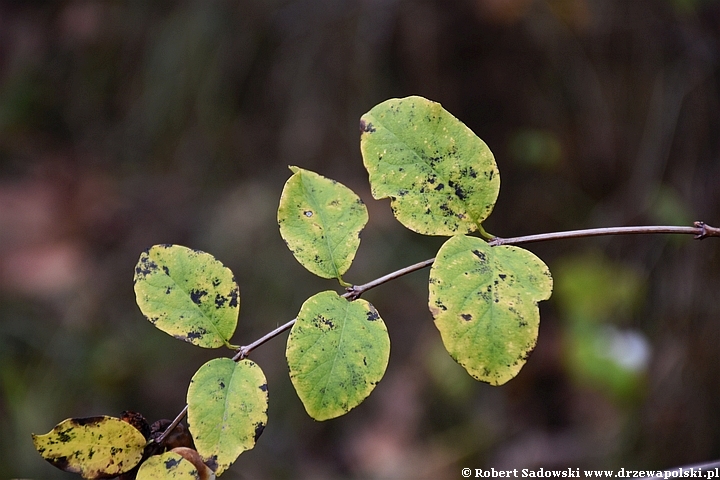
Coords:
706,231
353,292
241,354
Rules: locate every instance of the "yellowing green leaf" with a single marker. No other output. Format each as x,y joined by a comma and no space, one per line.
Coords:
168,466
94,447
320,220
337,352
187,294
227,410
441,178
484,301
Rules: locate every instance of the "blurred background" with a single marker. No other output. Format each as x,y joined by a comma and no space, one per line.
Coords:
126,124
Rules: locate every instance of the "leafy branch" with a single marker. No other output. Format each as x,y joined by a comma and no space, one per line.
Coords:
483,294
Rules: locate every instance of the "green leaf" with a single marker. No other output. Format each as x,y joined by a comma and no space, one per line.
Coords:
441,178
320,220
169,465
227,410
484,301
337,352
187,294
94,447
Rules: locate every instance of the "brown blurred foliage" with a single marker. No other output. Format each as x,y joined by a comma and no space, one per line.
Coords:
125,124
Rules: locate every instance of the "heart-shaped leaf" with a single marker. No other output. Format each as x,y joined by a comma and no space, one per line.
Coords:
94,447
484,301
320,220
227,410
441,178
188,294
337,352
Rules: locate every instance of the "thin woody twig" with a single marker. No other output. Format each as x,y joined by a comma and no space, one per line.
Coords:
700,230
172,425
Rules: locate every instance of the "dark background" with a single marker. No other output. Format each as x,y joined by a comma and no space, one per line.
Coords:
126,124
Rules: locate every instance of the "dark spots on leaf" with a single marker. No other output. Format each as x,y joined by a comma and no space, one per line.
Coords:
212,463
234,298
115,450
263,387
466,316
196,296
216,282
502,276
145,267
259,427
199,333
222,384
64,435
323,323
439,187
468,172
491,174
372,316
402,192
439,304
86,421
171,463
308,213
480,255
365,361
459,192
168,290
522,323
220,300
366,126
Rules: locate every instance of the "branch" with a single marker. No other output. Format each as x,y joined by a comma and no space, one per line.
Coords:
700,230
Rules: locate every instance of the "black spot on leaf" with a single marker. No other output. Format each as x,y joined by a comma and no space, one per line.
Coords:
372,316
86,420
196,295
234,298
366,126
171,463
466,316
264,387
259,427
199,333
480,255
220,300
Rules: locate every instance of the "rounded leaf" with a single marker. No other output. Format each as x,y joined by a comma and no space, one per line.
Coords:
320,220
484,301
94,447
187,294
169,465
441,178
337,352
227,410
